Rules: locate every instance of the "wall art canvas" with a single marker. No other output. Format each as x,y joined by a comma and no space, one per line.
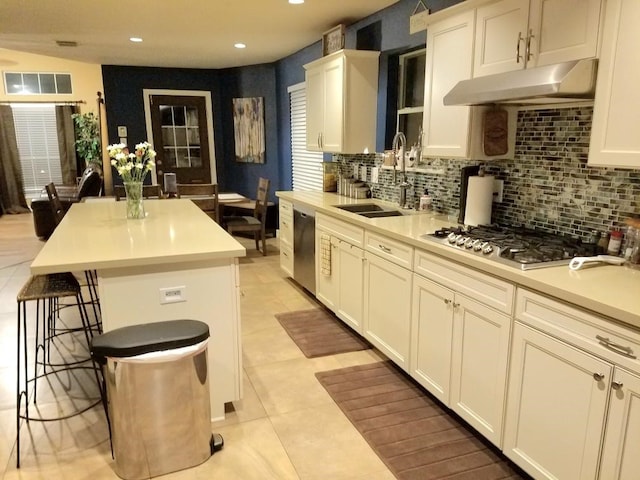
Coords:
248,124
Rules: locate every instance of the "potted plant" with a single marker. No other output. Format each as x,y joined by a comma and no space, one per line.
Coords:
88,139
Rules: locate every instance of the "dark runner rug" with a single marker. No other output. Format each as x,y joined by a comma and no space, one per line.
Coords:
411,433
318,333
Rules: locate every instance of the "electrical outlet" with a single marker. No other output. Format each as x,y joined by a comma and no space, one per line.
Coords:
356,171
374,174
498,186
173,294
363,173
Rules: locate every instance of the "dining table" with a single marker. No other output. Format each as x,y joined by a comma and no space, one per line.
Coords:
175,263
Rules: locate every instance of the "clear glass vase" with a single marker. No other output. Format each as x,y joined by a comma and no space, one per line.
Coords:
135,206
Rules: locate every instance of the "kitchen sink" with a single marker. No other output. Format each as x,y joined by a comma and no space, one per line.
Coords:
383,213
362,207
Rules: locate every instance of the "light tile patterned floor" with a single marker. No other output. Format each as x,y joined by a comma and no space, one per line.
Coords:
285,427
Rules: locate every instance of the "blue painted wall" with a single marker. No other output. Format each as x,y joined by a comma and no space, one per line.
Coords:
124,103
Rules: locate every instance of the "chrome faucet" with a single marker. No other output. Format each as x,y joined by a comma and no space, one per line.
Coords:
398,145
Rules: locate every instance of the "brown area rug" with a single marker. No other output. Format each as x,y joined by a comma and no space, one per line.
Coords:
318,333
411,433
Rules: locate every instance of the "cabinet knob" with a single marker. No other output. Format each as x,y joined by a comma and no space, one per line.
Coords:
447,301
616,385
598,376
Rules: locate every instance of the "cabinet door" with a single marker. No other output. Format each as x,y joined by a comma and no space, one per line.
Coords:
620,459
449,59
327,285
614,132
314,91
500,37
563,30
479,366
332,129
431,335
350,284
387,308
555,407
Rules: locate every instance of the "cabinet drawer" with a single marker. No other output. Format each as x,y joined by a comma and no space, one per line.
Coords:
394,251
285,208
479,286
286,259
286,230
582,329
342,230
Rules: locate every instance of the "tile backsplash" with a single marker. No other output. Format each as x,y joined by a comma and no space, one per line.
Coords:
548,186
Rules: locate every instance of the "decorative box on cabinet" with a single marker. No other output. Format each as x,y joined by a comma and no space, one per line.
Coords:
614,132
342,96
516,34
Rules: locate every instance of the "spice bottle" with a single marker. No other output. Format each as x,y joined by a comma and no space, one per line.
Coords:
615,241
603,243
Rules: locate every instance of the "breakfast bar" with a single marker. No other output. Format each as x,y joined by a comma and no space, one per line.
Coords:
176,263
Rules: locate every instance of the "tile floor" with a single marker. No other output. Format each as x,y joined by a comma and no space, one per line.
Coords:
285,427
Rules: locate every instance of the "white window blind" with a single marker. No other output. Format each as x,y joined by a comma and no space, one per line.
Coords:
306,166
37,146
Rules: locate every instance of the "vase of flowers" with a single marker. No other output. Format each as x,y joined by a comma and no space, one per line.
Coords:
133,168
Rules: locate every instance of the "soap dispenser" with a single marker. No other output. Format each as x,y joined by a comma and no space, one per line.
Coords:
425,201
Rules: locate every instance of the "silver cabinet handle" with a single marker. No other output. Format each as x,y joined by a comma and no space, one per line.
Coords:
283,223
384,249
615,347
520,39
527,50
456,305
598,376
318,141
283,253
616,385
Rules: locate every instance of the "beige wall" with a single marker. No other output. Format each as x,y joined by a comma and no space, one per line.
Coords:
86,78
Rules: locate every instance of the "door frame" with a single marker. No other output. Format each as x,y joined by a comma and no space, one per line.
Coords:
148,92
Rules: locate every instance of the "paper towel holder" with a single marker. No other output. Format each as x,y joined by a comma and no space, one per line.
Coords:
465,173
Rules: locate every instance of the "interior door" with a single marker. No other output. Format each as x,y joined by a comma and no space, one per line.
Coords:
180,138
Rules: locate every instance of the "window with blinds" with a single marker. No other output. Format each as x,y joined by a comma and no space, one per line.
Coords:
306,166
37,140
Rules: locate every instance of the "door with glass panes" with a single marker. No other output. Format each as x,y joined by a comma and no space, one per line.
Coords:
180,138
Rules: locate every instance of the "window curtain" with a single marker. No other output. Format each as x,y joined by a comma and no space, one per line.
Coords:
67,144
12,199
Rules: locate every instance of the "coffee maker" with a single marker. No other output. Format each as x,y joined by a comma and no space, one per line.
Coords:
465,173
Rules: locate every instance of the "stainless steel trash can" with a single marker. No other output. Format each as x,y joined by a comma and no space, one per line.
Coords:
157,387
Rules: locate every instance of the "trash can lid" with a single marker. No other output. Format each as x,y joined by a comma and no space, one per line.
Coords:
149,337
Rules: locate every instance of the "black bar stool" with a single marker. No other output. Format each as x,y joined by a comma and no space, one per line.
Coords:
47,290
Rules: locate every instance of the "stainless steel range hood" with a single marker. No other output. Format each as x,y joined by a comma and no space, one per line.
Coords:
558,83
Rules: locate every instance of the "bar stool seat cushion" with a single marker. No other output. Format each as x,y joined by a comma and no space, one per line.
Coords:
53,285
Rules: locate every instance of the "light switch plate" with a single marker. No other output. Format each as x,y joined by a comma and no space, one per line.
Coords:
498,186
374,174
363,173
122,131
356,171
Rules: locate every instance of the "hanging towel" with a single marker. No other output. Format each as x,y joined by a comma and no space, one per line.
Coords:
325,254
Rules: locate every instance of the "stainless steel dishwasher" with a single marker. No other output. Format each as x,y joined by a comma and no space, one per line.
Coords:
304,246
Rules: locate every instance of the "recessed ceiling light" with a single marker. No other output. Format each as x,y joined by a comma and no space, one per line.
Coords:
240,45
296,2
136,39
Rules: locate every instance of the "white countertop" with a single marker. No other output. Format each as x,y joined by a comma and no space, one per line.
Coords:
608,290
97,235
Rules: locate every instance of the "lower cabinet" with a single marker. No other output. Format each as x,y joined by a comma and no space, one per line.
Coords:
387,308
556,407
460,351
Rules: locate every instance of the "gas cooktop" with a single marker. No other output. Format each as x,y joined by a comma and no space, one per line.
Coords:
518,247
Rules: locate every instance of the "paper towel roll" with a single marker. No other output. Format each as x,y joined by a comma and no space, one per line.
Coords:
479,201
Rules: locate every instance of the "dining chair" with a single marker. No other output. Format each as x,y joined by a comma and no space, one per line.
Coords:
256,223
57,209
148,191
207,197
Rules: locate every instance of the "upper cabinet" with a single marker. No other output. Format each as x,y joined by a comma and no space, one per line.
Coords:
516,34
614,133
342,95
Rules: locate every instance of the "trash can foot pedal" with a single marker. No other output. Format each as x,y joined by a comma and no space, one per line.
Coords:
216,442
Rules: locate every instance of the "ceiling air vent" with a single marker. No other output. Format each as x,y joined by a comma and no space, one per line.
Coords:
66,43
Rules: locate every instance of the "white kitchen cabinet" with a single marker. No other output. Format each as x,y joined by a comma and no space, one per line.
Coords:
387,300
449,59
516,34
460,347
620,459
614,132
341,290
556,406
342,93
285,210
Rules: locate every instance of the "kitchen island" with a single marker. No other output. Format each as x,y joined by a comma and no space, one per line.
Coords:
174,264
